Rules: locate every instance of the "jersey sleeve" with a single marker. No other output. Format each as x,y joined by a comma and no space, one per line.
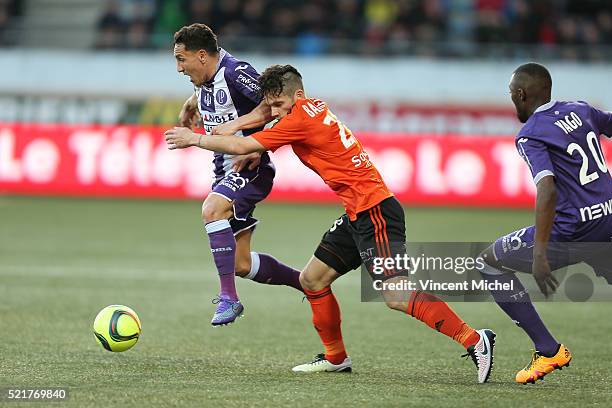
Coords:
289,130
243,79
603,121
536,155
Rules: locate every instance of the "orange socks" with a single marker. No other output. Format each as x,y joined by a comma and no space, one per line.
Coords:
326,320
435,313
426,307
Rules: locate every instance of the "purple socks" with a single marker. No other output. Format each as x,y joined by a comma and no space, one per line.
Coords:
223,248
267,269
517,304
264,268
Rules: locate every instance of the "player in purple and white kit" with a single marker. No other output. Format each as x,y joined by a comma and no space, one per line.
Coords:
560,144
226,91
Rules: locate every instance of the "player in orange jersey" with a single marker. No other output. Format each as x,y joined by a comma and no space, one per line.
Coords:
373,226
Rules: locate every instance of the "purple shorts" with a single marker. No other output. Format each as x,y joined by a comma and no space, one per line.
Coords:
515,252
245,190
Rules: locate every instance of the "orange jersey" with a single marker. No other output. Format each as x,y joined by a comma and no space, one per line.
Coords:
329,148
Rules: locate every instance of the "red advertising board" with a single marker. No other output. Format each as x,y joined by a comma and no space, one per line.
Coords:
131,161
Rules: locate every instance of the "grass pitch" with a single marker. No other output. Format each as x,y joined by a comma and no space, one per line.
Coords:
61,261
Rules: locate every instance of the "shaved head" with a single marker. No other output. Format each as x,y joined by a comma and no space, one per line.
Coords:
281,86
280,80
530,87
533,76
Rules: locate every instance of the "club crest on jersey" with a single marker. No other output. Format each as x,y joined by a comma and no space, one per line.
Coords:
221,97
207,101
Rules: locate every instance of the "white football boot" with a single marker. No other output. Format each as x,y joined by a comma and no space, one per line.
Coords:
482,354
321,365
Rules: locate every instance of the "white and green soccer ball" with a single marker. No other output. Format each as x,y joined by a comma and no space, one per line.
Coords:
117,328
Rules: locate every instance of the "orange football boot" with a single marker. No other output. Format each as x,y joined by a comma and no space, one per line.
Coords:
540,365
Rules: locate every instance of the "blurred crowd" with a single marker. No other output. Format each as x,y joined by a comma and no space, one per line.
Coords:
579,27
324,26
8,10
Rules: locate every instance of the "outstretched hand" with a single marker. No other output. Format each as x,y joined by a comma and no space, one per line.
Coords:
251,159
228,128
181,137
543,276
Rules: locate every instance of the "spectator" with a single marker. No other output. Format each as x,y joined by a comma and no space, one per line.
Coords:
311,38
200,11
110,28
4,21
227,12
415,27
138,35
255,14
604,22
171,17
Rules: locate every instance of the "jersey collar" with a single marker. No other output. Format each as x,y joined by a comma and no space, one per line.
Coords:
222,54
546,106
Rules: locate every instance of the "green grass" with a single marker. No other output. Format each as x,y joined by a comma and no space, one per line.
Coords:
63,260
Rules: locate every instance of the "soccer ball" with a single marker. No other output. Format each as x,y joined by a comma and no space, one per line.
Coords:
117,328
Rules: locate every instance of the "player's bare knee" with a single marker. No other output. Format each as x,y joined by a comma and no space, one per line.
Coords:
212,212
243,267
397,305
305,282
396,299
209,213
310,284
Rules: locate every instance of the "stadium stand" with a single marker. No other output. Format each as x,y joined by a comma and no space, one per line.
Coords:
9,10
555,29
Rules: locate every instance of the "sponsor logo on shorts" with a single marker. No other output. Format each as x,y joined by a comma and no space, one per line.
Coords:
337,223
234,181
519,295
514,241
596,211
367,255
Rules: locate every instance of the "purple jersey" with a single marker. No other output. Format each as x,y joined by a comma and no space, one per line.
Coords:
232,92
563,139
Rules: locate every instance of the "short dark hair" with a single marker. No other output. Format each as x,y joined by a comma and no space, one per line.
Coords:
280,79
197,37
537,72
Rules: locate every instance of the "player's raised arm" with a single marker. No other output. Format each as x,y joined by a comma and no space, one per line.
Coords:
231,144
258,117
546,202
181,137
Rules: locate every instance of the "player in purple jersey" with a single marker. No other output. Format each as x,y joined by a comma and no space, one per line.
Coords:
226,91
573,218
